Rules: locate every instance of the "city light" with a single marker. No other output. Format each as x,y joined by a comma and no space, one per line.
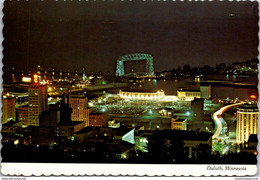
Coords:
253,96
27,79
35,78
16,142
188,113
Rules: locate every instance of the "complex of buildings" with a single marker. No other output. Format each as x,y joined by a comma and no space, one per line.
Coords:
41,123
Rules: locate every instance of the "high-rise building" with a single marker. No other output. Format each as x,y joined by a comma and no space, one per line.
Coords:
51,117
37,101
78,104
23,115
197,107
247,116
205,92
8,108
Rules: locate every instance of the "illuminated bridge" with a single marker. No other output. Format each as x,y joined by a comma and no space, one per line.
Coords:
149,70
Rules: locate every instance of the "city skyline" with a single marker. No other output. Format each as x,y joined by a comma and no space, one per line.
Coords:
94,36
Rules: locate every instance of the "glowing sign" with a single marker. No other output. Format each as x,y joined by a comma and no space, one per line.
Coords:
27,79
35,79
253,97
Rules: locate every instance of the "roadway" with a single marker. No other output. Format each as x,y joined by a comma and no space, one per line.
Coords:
220,122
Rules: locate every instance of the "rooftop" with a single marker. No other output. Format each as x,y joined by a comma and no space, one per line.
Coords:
180,119
140,90
248,106
189,90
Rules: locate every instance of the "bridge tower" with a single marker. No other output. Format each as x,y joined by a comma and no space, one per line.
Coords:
135,57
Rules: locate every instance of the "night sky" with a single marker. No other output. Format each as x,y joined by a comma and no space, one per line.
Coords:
93,34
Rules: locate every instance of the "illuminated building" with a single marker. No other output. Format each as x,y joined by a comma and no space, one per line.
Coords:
37,101
188,95
23,115
113,124
247,116
26,79
79,108
85,122
141,95
98,120
179,123
8,108
205,92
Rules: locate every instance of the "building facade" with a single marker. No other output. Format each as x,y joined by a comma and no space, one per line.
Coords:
23,115
179,124
37,102
8,109
98,120
142,95
247,116
188,95
205,92
78,105
197,107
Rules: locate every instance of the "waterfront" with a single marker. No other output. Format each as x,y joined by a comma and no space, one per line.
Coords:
171,86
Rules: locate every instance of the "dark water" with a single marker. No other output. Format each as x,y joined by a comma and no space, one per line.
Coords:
170,87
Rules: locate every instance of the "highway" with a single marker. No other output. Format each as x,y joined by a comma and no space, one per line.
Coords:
220,122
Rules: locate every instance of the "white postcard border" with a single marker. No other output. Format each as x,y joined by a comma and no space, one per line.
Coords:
48,169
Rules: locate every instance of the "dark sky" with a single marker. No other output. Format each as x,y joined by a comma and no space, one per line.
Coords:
93,34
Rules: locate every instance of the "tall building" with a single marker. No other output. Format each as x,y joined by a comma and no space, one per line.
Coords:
205,92
50,117
23,115
197,107
79,104
247,116
8,109
37,101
